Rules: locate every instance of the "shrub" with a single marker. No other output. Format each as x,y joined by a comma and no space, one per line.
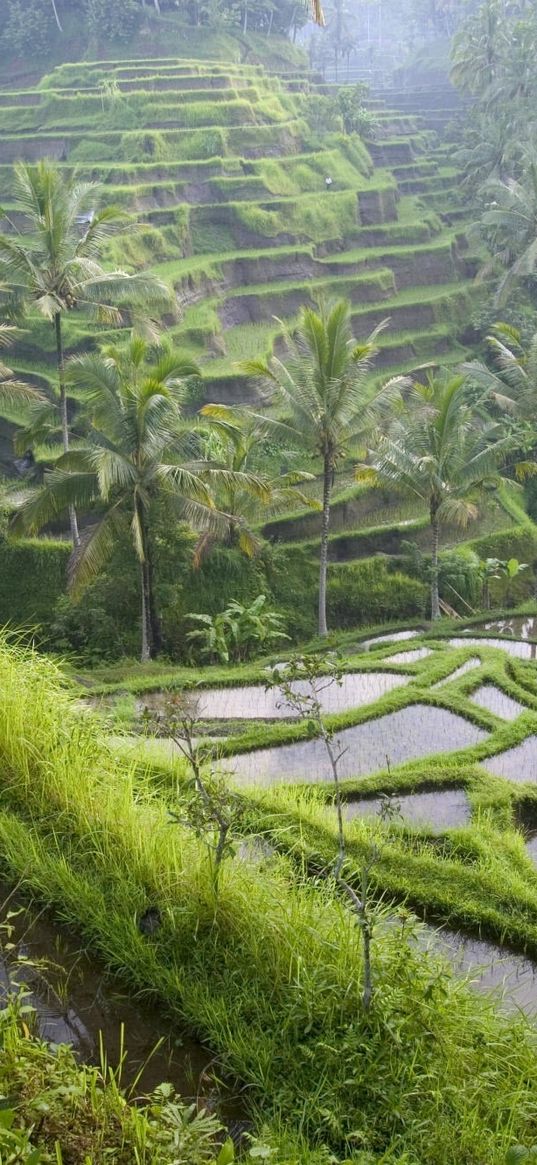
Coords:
366,592
518,542
117,21
144,146
32,577
29,23
238,633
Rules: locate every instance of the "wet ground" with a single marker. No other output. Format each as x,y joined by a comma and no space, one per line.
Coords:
75,1001
392,637
491,967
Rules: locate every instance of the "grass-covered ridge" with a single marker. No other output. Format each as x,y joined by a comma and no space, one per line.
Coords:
226,176
270,973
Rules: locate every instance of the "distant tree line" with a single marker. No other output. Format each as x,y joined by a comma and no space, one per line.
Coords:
31,22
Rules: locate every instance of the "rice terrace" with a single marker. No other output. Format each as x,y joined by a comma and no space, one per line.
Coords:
268,582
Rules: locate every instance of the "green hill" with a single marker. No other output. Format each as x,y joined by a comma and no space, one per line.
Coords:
223,166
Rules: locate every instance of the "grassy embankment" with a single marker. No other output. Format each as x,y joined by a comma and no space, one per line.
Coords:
270,973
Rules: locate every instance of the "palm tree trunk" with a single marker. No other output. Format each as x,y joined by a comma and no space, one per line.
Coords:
75,536
151,631
146,622
435,601
56,17
156,630
327,489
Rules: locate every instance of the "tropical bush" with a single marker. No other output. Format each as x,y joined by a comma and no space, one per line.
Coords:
366,592
237,633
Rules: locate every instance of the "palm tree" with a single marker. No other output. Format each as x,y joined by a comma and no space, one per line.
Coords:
131,457
232,437
54,262
513,385
509,227
322,388
441,448
14,393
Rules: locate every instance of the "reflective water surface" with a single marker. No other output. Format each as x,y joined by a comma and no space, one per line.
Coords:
411,732
516,764
516,648
459,671
441,809
75,1001
256,703
496,701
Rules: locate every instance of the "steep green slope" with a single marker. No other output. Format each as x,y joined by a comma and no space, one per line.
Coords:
226,177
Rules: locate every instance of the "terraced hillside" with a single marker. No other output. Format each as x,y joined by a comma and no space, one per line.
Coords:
225,174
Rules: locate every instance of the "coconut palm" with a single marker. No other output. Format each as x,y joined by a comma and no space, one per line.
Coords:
509,227
53,262
14,394
131,457
231,440
441,448
322,388
512,382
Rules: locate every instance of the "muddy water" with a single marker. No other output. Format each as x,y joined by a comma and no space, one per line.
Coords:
412,732
441,809
516,648
75,1001
496,701
516,764
255,703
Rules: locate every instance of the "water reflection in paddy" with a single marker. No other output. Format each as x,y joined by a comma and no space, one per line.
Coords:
75,1001
459,671
519,650
496,701
491,967
519,626
411,732
254,702
393,637
516,764
441,809
410,656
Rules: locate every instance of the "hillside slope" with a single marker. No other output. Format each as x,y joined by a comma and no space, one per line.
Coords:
226,177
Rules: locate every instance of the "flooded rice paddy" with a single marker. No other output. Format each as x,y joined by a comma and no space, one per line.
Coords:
517,764
518,649
440,809
257,703
392,637
491,967
496,701
459,671
411,732
519,626
410,656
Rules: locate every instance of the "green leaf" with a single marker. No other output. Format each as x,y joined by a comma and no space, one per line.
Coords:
227,1153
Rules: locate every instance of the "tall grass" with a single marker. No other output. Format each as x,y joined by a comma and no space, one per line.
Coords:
271,975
